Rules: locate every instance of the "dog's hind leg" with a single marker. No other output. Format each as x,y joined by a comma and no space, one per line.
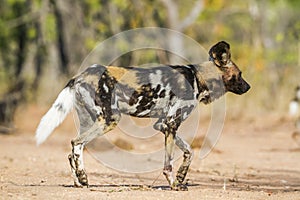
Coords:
93,123
77,168
76,157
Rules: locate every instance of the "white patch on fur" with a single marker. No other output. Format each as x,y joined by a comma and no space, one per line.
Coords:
155,78
196,91
145,112
57,113
105,88
94,65
185,115
78,150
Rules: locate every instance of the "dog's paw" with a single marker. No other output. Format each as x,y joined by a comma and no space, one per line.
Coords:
82,178
179,187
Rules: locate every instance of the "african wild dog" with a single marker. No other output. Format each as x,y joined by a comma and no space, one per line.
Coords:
101,94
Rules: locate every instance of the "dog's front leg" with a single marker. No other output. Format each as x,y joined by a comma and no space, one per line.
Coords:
77,167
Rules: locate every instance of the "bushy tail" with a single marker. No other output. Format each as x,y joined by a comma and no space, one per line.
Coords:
57,113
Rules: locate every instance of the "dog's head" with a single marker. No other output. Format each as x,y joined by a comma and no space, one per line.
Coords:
231,74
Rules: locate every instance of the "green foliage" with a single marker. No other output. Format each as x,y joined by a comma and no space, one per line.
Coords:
50,27
295,4
264,34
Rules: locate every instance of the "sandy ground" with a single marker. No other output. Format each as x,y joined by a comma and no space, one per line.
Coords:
254,159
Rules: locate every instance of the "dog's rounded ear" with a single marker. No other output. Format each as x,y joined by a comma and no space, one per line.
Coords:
220,53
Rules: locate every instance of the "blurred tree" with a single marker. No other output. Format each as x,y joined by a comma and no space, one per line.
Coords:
61,41
175,23
14,42
38,30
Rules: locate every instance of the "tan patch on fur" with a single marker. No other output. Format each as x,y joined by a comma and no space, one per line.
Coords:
117,72
124,76
92,79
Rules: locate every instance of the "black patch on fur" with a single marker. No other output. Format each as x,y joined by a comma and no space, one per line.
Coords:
201,84
71,83
105,96
172,95
144,96
187,72
162,94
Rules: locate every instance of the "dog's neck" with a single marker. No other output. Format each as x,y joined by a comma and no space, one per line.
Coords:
209,77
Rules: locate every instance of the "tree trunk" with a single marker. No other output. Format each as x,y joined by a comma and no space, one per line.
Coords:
175,41
8,106
61,42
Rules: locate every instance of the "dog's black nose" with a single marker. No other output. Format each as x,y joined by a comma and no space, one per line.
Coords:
246,87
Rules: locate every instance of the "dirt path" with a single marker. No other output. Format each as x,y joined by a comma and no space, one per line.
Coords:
254,159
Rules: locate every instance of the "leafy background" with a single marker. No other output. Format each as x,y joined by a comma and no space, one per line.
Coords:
43,43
